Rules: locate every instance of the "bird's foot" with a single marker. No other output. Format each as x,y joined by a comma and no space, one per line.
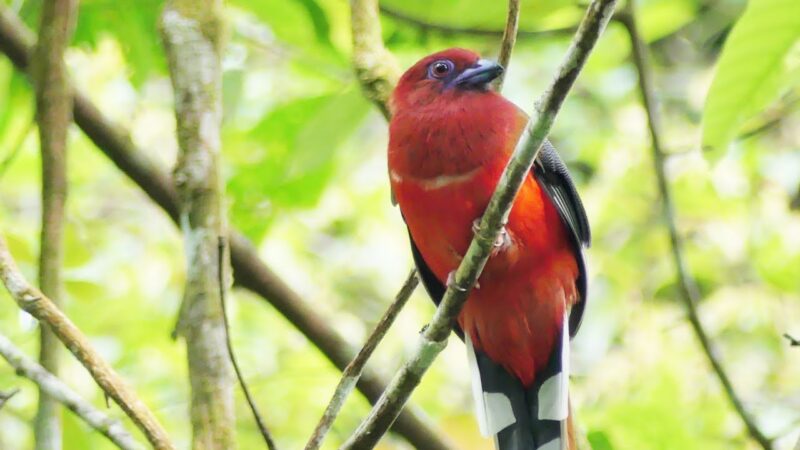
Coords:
502,242
451,282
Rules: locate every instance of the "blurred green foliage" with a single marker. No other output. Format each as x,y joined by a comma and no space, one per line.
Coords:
306,178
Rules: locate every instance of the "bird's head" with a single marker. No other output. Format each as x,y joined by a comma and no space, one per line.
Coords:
450,72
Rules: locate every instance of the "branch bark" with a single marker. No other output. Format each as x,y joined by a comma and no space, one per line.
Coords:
32,301
191,35
54,114
689,293
60,392
434,338
375,67
249,270
353,371
507,44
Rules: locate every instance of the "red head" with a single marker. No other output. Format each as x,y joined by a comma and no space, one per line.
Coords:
450,72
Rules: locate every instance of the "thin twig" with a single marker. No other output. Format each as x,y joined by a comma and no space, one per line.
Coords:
32,301
107,426
434,338
352,372
509,38
470,31
262,426
54,115
792,341
249,270
6,396
688,289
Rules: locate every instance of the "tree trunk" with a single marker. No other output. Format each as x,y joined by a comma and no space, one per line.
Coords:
54,114
191,35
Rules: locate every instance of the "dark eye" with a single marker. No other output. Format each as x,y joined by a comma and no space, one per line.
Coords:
440,69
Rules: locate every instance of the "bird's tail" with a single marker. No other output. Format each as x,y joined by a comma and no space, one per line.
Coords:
519,418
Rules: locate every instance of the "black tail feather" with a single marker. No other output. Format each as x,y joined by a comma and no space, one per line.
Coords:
533,427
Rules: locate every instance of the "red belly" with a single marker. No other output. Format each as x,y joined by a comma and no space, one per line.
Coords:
516,314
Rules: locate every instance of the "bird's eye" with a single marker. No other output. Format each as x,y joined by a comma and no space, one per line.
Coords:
439,69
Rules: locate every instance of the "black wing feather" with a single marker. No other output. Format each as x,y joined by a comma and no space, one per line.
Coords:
553,175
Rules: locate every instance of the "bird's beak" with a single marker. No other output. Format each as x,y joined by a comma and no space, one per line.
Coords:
479,75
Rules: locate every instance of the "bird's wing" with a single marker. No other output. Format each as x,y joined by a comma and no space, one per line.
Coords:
553,176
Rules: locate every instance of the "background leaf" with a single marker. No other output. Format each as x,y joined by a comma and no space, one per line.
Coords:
760,60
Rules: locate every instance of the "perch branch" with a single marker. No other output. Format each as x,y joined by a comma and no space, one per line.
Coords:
249,270
262,425
60,392
688,289
54,115
792,341
352,372
509,38
434,338
32,301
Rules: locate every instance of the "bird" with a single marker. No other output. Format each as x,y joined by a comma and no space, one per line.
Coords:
450,138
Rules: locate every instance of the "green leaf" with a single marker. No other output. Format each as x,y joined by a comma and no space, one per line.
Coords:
287,160
760,60
659,18
134,29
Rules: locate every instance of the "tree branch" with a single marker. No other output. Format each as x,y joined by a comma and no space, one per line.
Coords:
688,289
32,301
470,31
353,371
507,45
375,67
249,270
54,114
190,34
434,338
60,392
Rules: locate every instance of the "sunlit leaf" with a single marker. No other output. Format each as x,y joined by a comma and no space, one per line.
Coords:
761,58
290,156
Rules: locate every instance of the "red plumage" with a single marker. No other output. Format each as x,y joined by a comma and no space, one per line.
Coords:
448,146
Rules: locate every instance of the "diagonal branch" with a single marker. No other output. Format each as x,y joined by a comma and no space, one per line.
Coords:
434,338
509,38
688,289
60,392
54,115
32,301
249,270
353,371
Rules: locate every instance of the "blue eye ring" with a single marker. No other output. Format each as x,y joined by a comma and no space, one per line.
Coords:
441,68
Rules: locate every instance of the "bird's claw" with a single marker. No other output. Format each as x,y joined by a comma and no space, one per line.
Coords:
503,239
451,283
